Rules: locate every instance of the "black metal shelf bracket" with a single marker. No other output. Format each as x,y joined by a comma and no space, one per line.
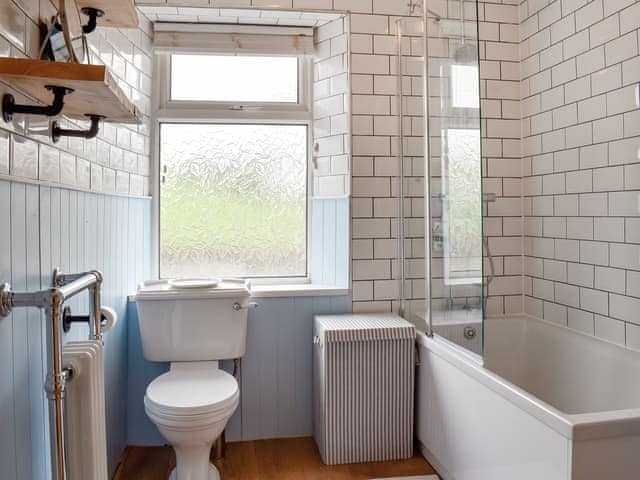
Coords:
94,14
10,107
92,132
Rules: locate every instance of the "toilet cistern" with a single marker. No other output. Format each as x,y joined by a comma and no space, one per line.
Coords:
193,325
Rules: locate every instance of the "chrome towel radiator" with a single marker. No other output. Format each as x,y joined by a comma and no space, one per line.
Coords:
51,300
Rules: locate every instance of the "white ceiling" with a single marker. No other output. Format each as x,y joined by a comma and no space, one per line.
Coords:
165,13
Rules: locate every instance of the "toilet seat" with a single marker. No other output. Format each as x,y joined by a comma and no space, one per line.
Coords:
192,395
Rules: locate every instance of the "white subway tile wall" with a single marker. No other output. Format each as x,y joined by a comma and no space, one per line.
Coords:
581,164
371,161
502,150
561,133
376,152
118,160
331,113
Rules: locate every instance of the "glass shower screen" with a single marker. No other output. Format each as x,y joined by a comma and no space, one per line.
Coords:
449,186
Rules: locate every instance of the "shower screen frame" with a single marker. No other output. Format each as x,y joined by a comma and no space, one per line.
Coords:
428,17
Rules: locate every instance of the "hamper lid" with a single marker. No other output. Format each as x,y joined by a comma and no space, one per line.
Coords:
363,327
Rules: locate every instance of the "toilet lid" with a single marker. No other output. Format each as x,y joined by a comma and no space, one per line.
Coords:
180,392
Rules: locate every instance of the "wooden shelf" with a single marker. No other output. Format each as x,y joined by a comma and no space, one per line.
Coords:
117,13
95,92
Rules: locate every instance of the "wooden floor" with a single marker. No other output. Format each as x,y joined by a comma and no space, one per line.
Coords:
283,459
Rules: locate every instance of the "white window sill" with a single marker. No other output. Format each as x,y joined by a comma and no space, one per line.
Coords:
297,290
291,290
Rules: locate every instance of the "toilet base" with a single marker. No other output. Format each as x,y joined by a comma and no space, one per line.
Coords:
213,474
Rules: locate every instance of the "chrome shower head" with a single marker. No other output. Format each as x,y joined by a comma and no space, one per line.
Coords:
466,54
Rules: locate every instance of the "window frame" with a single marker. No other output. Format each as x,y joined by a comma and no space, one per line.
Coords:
203,108
459,118
227,104
459,110
166,110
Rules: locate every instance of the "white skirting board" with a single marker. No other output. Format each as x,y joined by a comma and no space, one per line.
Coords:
419,477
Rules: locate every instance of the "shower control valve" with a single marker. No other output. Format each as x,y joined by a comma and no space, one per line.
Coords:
469,333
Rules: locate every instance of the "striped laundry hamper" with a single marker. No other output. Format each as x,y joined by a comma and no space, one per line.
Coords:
364,370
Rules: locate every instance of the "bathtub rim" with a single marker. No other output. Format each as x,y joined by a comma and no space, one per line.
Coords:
583,426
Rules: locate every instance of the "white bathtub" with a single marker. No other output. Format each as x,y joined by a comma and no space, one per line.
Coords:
548,404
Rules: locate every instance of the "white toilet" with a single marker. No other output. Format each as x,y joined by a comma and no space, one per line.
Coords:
192,328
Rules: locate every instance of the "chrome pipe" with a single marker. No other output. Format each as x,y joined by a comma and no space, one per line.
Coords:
401,179
71,284
60,279
43,299
97,307
68,287
86,281
427,180
52,300
10,300
55,388
5,300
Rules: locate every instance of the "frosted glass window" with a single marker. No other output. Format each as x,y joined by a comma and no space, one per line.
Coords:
463,206
465,88
227,78
233,200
